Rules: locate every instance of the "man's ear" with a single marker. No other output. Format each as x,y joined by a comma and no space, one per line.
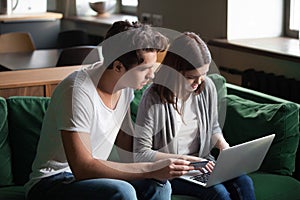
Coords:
118,66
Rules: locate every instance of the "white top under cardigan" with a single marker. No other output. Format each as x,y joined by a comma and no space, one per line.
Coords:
156,128
188,136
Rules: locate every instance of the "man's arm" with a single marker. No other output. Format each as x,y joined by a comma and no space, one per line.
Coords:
124,140
84,166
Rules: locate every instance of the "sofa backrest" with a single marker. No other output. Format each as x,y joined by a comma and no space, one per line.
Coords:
25,116
253,120
5,151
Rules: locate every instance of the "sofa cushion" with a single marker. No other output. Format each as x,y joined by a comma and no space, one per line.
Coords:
220,84
247,120
24,122
5,155
136,101
12,193
273,186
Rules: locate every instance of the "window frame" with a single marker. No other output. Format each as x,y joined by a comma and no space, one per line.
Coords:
131,10
288,32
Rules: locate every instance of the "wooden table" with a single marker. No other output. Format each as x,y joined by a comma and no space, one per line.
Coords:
31,60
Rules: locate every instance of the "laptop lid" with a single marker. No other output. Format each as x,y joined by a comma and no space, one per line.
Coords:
235,161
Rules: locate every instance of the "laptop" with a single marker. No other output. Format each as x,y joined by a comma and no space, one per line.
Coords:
233,162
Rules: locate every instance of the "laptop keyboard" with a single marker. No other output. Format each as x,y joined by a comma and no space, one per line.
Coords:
201,177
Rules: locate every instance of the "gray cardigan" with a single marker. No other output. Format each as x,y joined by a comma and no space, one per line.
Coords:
156,129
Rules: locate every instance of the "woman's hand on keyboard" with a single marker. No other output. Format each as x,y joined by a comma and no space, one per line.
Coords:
204,166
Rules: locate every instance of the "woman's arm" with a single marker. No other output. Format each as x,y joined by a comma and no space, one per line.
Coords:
124,140
219,141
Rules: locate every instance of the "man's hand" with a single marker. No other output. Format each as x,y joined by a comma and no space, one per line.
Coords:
169,168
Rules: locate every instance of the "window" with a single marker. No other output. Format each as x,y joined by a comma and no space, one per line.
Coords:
293,18
129,6
129,3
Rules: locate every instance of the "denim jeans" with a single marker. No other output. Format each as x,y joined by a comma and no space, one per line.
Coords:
63,186
239,188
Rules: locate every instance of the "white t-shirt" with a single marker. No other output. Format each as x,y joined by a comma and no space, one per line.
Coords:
76,106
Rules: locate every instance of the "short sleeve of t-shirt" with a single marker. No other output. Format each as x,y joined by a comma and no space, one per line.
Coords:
74,110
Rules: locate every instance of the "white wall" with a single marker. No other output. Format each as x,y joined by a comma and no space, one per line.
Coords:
206,17
254,18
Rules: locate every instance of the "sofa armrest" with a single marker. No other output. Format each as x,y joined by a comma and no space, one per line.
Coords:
260,97
254,95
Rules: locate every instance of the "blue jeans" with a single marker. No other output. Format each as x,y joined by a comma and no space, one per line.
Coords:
239,188
64,186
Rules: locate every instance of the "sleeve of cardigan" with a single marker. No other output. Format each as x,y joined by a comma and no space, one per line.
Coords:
213,99
145,128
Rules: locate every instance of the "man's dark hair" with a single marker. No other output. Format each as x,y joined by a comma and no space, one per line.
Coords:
124,39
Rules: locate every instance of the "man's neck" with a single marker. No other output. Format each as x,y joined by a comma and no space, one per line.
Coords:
107,83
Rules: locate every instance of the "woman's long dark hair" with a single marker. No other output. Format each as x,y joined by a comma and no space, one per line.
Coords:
187,52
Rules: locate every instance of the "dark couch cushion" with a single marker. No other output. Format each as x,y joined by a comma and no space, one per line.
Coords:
136,101
12,193
24,122
273,186
5,155
247,120
220,84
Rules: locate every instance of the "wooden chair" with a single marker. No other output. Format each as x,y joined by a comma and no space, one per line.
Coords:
16,42
79,55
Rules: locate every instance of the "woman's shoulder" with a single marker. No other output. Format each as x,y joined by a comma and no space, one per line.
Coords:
150,95
209,84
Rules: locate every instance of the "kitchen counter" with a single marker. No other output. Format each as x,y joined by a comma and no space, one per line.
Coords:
30,17
95,25
104,20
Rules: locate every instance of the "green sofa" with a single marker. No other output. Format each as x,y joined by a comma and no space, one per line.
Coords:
249,115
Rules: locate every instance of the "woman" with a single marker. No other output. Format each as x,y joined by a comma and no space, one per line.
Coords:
178,118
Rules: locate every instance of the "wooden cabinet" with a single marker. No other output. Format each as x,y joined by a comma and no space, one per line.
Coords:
22,91
35,82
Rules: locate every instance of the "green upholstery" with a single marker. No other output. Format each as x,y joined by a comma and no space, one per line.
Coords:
271,187
221,89
254,120
5,156
26,114
136,101
219,82
12,193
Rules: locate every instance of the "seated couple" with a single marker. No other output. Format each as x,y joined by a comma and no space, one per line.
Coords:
177,123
